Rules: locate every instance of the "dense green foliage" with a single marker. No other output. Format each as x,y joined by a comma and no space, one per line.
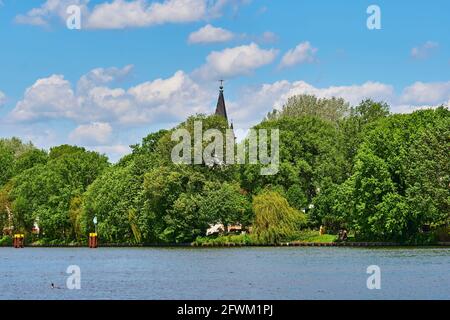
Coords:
400,179
275,220
381,176
44,192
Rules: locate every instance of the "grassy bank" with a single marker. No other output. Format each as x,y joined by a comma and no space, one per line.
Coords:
309,236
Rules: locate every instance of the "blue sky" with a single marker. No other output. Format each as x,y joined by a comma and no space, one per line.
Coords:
140,65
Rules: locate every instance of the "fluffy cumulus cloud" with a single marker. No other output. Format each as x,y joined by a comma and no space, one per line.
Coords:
93,100
232,62
425,50
122,14
210,34
421,93
302,53
102,114
119,14
47,98
96,106
102,76
173,98
96,133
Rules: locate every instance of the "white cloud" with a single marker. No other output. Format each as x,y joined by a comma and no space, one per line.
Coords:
421,93
102,76
231,62
302,53
170,99
95,133
424,50
50,97
41,16
210,34
120,14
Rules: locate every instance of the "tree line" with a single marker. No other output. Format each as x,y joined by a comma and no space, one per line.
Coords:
382,176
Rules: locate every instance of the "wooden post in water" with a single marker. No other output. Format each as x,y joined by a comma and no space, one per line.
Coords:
18,241
93,240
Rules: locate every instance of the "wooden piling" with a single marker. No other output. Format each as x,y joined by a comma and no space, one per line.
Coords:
18,241
93,240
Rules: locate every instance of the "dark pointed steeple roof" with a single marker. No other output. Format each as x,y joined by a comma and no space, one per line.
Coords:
221,110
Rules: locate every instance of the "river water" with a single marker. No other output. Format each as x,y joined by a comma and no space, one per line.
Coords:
225,273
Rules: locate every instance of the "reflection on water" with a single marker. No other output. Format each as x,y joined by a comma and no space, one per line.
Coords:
228,273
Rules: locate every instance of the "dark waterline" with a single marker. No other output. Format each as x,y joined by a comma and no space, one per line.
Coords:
222,273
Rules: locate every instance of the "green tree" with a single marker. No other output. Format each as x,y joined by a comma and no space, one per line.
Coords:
113,198
163,187
369,111
353,129
44,192
16,156
185,221
427,176
400,180
227,204
6,164
329,109
309,156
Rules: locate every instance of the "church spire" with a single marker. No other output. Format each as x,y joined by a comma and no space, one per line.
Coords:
221,109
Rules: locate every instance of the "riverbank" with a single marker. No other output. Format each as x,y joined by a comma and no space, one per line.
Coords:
304,239
222,245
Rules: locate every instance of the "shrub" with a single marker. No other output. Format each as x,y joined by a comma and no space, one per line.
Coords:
6,241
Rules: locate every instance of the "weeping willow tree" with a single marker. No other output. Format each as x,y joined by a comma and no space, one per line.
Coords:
133,219
275,220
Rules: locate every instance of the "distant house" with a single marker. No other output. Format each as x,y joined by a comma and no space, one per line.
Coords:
215,229
219,228
235,228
